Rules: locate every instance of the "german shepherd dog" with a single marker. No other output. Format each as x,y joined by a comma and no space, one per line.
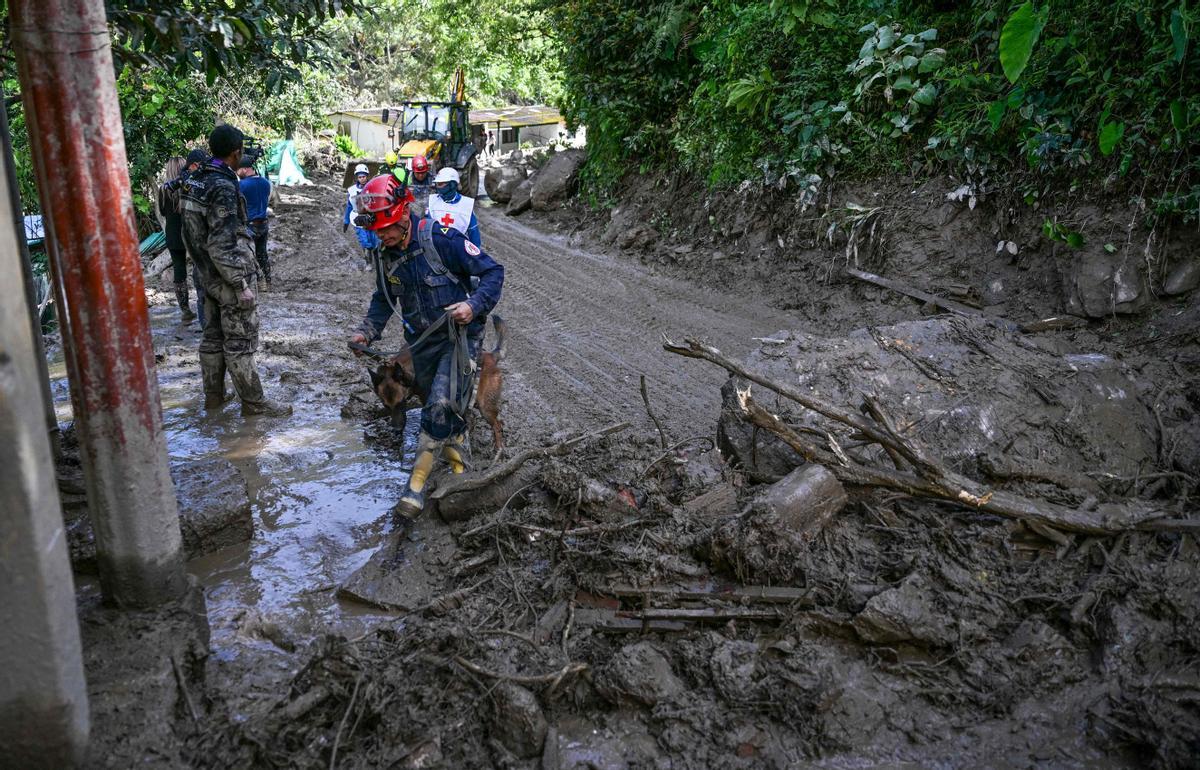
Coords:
395,385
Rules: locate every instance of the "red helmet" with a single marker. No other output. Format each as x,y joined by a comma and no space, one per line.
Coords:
420,165
383,202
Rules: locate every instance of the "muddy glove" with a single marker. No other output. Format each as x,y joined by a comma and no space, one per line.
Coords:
358,339
345,226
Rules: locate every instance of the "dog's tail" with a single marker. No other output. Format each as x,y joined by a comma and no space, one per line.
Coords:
501,336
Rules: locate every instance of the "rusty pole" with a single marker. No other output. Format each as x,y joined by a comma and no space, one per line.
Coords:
74,120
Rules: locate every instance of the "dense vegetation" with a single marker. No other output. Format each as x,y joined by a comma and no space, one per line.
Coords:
780,90
275,66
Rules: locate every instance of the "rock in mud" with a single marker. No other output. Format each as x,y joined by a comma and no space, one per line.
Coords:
804,501
521,199
556,181
501,182
639,673
623,743
214,512
405,573
214,507
1182,278
1099,284
519,724
906,614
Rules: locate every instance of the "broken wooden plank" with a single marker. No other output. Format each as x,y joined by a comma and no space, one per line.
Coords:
910,291
1054,323
700,614
712,590
607,621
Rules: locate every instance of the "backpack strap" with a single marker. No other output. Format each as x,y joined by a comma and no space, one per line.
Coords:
425,238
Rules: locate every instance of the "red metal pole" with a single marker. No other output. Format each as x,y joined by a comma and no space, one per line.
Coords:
77,142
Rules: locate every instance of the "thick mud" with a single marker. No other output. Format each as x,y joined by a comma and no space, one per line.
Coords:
601,617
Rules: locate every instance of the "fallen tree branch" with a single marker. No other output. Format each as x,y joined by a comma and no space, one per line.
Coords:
695,349
553,679
951,487
662,437
934,481
469,481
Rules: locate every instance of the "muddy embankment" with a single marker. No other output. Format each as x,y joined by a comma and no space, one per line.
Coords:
683,597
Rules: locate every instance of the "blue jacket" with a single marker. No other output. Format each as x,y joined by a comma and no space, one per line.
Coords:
257,191
422,295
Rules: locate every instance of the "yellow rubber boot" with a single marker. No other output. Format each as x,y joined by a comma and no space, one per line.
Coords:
452,450
412,502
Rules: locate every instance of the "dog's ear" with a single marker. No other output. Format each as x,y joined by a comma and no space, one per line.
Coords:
376,376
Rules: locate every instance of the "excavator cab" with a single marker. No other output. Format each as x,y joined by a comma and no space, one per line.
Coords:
441,131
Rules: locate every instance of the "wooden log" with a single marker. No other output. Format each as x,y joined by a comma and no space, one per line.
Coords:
469,481
909,291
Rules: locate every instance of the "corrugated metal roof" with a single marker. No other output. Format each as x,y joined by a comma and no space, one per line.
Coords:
532,115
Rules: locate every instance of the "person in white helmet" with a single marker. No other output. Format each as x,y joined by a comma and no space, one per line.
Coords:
367,239
450,208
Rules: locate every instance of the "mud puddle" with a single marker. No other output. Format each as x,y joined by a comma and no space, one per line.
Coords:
319,489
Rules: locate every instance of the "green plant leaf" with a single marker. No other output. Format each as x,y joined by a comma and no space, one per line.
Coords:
886,37
926,95
908,62
1179,116
1017,40
928,35
1110,136
932,60
903,83
1110,248
1074,240
996,113
1179,36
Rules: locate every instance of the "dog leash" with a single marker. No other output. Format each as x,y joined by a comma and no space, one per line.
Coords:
460,362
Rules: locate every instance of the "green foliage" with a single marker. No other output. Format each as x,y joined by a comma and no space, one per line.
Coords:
1019,36
270,37
347,147
760,89
161,112
903,70
409,49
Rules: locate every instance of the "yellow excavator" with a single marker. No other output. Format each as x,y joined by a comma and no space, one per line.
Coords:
441,131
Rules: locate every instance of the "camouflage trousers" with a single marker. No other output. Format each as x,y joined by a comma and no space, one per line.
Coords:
229,327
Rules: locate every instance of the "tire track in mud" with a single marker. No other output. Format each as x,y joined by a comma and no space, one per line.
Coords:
583,325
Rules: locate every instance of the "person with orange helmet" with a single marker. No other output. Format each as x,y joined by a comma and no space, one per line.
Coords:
425,273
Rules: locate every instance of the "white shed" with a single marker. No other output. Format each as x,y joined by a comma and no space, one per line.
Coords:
366,128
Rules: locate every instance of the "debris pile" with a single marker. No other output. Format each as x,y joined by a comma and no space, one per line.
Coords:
627,603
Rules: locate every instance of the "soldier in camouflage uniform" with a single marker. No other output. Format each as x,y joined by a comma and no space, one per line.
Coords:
214,229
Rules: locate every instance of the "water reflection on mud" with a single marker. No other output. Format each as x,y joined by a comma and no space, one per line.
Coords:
320,488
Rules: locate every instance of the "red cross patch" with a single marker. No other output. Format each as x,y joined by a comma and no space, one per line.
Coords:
447,220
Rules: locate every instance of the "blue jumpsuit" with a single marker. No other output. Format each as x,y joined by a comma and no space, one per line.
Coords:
367,239
422,295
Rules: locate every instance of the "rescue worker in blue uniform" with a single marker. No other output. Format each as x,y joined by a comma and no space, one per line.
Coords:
425,274
366,239
450,208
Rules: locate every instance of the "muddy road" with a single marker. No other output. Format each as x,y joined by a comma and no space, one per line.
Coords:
908,633
586,325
